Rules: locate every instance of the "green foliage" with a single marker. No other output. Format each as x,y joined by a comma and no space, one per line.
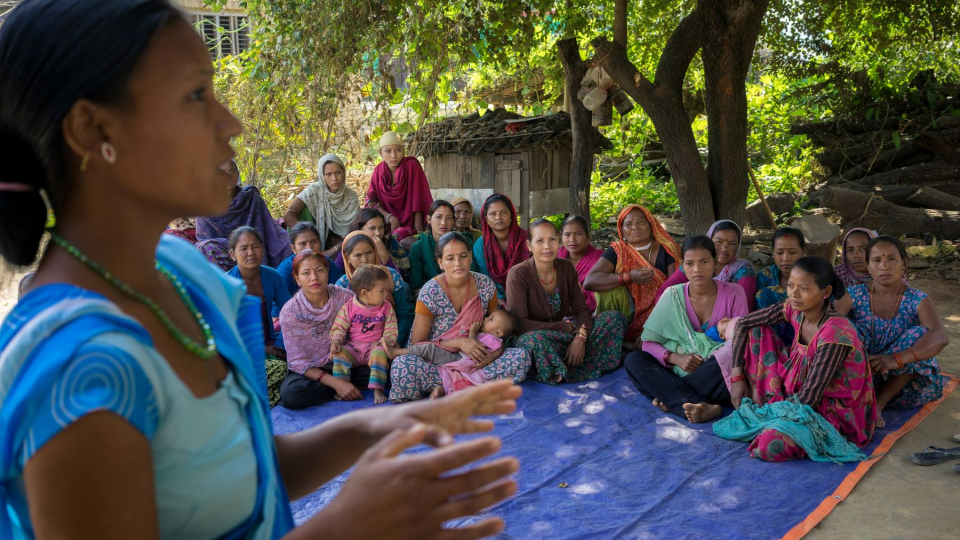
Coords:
639,186
321,75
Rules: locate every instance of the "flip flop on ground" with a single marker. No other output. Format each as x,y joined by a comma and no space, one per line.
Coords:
934,455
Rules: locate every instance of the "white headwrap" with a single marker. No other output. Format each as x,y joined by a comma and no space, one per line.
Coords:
332,211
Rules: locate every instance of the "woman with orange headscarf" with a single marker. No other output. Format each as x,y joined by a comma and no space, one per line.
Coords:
629,272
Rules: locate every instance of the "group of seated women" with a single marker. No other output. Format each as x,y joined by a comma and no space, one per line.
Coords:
406,297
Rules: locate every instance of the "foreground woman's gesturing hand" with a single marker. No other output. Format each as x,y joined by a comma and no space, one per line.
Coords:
415,494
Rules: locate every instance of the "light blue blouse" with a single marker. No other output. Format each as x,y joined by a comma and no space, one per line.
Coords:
66,352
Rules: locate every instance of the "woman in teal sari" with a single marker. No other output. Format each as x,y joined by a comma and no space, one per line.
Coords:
132,383
423,257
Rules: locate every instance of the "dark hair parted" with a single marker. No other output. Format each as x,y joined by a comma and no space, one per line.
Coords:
576,219
306,254
302,228
495,198
366,277
823,274
440,203
239,232
542,221
728,225
784,232
447,239
365,216
356,241
52,54
892,240
699,241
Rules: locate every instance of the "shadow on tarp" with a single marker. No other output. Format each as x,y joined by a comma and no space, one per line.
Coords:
631,471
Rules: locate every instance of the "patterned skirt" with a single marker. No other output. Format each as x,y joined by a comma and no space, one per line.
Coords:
927,383
414,378
548,349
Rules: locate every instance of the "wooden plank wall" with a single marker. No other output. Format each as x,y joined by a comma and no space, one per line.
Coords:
535,179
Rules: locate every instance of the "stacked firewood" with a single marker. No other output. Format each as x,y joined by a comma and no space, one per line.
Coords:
899,173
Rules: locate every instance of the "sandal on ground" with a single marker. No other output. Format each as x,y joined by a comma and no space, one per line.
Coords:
956,468
934,455
956,438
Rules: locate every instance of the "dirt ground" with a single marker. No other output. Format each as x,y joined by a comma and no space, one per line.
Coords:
896,499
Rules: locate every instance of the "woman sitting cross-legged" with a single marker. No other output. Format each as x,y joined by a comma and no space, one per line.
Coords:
576,248
825,368
726,236
678,368
900,329
447,307
307,320
303,235
557,327
359,248
423,261
631,270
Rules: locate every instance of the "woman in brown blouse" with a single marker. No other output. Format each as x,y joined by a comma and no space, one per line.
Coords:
565,342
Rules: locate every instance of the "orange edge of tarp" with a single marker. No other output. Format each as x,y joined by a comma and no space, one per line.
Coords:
845,487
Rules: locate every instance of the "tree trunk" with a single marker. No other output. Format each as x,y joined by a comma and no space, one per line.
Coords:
581,129
866,210
731,28
662,100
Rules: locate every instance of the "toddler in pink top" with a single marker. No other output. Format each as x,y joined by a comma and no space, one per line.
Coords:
361,325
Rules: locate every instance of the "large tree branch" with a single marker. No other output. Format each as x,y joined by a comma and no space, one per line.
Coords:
620,22
612,57
679,52
583,141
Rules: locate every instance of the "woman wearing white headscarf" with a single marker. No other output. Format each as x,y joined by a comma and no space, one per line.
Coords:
328,202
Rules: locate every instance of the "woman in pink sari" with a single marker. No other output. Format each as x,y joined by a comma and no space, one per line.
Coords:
399,188
446,307
825,367
575,237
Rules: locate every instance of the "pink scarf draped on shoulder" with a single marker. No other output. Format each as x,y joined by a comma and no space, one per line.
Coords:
461,374
403,193
590,258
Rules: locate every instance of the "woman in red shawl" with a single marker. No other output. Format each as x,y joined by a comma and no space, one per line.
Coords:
630,271
503,244
399,188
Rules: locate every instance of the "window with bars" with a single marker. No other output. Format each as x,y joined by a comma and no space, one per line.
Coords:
225,35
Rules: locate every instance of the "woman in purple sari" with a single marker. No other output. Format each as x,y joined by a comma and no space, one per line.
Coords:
576,248
247,209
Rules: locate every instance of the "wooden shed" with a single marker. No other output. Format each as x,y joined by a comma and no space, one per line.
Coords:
525,158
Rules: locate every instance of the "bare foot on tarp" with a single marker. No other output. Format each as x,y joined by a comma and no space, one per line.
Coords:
881,423
437,393
701,412
378,396
659,404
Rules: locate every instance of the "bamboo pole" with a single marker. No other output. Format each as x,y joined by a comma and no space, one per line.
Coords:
756,186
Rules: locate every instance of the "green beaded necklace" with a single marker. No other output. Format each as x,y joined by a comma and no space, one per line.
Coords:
205,352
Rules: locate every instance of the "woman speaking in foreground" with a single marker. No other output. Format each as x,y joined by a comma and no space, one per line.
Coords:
152,348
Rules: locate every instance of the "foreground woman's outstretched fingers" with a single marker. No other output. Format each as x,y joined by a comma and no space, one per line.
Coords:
439,496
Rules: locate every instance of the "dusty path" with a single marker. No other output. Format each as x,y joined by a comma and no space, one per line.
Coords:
896,499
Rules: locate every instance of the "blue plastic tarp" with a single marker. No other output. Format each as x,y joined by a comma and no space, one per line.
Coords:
630,470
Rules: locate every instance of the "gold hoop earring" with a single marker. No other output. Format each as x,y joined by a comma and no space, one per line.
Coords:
84,162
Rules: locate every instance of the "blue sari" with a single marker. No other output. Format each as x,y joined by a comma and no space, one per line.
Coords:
50,328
